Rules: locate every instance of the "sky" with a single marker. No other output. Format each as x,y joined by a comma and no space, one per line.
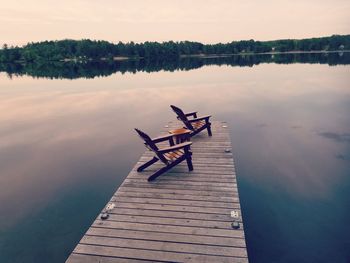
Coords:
206,21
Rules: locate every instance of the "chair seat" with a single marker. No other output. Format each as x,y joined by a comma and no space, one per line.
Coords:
172,156
198,124
180,131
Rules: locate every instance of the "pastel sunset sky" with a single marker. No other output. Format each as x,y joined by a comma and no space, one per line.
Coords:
207,21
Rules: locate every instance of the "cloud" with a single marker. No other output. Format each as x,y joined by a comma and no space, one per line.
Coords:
338,137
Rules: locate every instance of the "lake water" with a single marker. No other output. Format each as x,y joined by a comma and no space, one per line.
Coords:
67,144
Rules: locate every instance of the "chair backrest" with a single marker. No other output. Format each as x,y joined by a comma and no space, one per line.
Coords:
151,145
181,115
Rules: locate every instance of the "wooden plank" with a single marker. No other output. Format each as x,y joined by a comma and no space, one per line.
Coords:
164,246
175,214
170,221
81,258
179,182
153,254
196,188
178,177
209,165
181,217
184,171
203,162
193,209
229,178
170,229
168,196
145,200
180,191
167,237
181,174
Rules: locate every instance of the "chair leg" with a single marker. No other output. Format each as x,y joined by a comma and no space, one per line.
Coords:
189,163
145,165
158,173
165,169
209,130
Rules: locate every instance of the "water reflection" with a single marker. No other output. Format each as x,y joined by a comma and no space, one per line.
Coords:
91,69
65,146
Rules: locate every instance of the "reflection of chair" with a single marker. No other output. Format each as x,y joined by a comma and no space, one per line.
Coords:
196,124
170,156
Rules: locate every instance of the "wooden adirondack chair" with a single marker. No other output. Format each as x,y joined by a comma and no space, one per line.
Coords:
170,156
195,124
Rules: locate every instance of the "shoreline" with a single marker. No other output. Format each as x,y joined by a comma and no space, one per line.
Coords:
200,56
263,53
122,58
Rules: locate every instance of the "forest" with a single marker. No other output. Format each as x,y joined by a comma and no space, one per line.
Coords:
83,50
99,68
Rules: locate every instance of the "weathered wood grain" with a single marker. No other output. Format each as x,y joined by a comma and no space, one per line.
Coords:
148,254
165,246
167,237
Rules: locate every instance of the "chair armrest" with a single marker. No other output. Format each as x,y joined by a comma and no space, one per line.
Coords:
200,118
175,147
194,114
162,138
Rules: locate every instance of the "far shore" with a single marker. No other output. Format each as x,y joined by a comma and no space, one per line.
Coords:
262,53
242,54
203,56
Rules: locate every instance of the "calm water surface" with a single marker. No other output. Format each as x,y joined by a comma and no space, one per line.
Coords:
66,145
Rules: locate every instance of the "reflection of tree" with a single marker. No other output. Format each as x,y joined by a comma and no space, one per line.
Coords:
91,69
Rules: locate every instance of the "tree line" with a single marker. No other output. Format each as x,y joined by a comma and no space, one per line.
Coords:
80,50
98,68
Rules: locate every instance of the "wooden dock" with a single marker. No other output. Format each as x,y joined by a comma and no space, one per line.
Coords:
180,217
